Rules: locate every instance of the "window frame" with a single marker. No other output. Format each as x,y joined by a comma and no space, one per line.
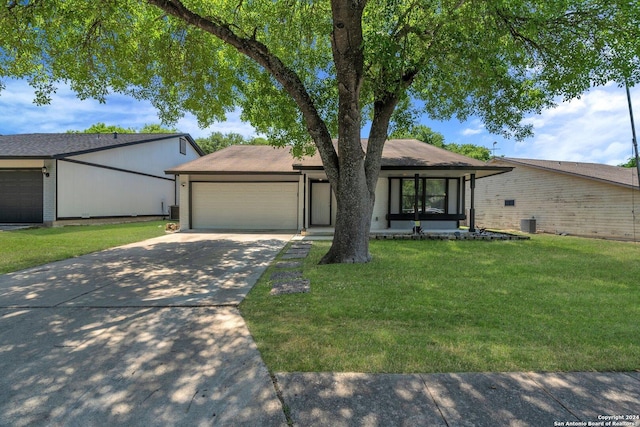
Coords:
183,146
422,199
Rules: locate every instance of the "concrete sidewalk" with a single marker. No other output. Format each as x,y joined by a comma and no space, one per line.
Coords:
468,399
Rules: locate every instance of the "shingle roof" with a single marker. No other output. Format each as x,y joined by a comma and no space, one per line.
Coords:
397,154
241,159
409,153
627,177
56,145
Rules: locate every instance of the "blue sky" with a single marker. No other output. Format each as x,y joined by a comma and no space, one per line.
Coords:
595,128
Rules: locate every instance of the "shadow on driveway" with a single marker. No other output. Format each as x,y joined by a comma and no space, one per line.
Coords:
147,334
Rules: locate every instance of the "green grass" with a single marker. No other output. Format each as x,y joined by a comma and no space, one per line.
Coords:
547,304
21,249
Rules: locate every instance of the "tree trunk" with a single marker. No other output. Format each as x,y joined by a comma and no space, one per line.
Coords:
349,182
353,218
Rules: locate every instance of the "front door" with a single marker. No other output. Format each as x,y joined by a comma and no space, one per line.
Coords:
320,203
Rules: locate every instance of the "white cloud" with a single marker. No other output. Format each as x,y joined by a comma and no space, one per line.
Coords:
67,112
475,127
470,131
595,128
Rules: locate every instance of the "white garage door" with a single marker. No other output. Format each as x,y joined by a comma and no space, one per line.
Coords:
245,206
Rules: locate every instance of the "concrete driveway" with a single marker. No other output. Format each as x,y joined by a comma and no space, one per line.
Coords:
144,334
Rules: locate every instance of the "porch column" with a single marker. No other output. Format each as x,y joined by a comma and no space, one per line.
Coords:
472,207
416,202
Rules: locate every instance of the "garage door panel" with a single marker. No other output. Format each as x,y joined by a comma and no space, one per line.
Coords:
21,196
245,206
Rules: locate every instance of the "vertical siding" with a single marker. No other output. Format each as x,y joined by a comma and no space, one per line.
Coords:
560,204
151,157
87,191
379,216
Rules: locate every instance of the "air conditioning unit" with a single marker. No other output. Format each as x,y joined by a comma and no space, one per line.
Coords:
528,225
174,213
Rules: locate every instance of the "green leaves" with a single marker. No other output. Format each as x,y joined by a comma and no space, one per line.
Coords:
498,60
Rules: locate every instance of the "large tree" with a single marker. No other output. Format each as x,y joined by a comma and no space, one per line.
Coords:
305,71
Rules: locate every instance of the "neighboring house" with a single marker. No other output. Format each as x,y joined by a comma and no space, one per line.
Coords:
45,178
265,188
583,199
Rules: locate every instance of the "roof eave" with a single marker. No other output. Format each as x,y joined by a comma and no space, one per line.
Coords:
497,169
37,157
203,172
569,173
127,144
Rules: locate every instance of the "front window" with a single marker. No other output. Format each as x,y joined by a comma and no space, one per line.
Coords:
409,196
432,195
436,196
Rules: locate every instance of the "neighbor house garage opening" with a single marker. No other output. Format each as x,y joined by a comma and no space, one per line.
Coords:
21,196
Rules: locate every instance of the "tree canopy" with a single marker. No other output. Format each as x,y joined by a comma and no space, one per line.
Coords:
104,128
630,163
218,140
304,72
426,134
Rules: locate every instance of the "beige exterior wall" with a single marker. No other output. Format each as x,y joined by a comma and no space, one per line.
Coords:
20,164
560,203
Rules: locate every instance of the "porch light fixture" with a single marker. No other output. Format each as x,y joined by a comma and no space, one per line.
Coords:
45,172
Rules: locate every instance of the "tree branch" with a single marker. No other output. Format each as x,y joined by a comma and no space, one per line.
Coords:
261,54
383,109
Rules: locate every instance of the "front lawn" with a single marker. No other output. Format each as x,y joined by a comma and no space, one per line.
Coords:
27,248
551,303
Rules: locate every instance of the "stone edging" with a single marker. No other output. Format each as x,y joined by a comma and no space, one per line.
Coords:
287,281
487,235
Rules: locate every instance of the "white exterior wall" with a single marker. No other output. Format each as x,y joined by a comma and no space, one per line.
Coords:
560,203
88,191
379,216
140,188
152,158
